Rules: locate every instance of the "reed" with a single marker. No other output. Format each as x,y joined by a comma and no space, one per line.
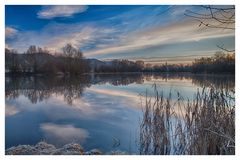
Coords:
202,126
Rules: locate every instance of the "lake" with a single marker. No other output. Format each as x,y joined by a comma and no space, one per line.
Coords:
98,111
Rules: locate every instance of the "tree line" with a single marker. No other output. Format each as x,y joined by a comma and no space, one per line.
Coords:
122,65
39,60
70,61
219,63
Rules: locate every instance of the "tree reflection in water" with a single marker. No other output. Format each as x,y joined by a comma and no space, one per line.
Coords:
39,88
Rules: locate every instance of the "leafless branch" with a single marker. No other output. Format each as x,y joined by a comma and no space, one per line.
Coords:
222,47
214,17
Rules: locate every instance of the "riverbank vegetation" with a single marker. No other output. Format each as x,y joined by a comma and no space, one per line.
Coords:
202,126
219,63
70,61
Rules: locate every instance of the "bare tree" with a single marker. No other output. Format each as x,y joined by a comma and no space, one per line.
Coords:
74,63
32,49
222,17
214,16
11,60
79,54
33,59
70,51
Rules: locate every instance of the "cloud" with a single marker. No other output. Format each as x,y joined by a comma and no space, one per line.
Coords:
134,98
10,31
80,35
50,12
86,35
185,31
10,110
124,35
58,109
62,134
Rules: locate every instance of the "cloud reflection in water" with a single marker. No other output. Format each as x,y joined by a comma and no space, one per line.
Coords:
62,134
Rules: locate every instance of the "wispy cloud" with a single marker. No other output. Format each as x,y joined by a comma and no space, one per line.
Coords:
83,36
185,31
130,34
10,31
50,12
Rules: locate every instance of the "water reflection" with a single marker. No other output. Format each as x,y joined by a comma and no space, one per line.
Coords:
39,88
10,110
93,110
62,134
220,82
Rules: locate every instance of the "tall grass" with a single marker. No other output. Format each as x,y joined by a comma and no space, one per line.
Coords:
202,126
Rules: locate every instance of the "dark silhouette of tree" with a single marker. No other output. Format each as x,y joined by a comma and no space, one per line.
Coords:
69,50
11,61
40,60
168,68
32,49
74,63
33,56
33,60
219,63
122,65
222,17
214,16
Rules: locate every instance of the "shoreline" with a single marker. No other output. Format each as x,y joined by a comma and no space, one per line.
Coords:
44,148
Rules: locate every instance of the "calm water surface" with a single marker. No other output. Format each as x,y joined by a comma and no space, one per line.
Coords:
97,111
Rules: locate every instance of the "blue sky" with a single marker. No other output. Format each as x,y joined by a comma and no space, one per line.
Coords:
149,33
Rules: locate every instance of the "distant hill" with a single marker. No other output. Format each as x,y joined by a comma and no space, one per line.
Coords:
96,64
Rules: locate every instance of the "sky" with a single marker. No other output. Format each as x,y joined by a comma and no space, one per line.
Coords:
154,34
